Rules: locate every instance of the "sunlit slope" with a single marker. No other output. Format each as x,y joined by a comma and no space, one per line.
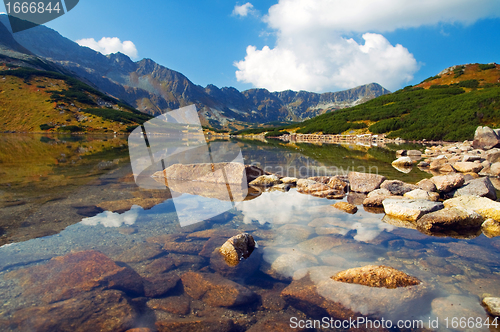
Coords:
32,101
445,107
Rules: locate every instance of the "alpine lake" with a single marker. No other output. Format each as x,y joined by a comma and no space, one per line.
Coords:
84,248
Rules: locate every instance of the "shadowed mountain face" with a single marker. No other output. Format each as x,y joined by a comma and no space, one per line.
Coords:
154,89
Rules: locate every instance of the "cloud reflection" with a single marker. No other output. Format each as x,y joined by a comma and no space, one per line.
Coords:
113,219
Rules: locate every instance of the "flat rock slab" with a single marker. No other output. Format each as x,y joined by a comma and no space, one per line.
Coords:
486,207
365,182
107,311
468,167
422,194
64,277
376,276
215,290
450,219
410,210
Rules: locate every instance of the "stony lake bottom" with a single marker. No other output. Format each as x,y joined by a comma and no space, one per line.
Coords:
83,248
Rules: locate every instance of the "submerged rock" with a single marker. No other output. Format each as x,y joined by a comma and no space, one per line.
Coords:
237,248
376,276
410,210
365,182
215,290
195,324
449,219
346,207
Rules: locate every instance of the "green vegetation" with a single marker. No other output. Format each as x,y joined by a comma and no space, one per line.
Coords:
487,66
118,116
440,113
46,126
71,129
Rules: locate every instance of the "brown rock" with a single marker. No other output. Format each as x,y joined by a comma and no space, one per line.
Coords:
397,187
364,182
155,266
140,252
422,194
196,324
93,311
346,207
490,228
265,181
179,305
161,284
447,168
217,232
215,290
246,268
273,301
237,248
337,183
446,183
438,163
318,189
320,179
184,247
376,276
65,277
449,219
356,198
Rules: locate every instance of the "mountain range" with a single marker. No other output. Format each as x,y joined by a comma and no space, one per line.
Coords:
155,89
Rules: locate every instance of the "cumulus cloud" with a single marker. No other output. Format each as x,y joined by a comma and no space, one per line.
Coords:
243,10
108,45
313,50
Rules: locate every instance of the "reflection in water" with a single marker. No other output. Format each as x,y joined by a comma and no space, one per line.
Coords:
300,238
113,219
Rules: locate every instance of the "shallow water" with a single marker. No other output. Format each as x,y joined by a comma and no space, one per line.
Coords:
302,242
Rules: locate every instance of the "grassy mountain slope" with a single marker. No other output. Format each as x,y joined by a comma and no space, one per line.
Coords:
448,106
37,100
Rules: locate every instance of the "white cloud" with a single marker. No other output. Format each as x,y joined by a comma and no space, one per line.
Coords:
313,53
108,45
243,10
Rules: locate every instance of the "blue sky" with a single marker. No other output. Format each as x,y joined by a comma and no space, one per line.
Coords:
315,45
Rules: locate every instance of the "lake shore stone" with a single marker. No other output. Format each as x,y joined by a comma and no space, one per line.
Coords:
403,161
481,187
376,276
346,207
397,187
492,305
485,207
377,200
237,248
289,180
490,228
422,194
266,181
365,182
485,138
446,183
215,290
467,167
450,219
410,210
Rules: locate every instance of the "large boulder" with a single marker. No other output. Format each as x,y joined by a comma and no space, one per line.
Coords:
485,138
481,187
449,219
410,209
365,182
486,207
